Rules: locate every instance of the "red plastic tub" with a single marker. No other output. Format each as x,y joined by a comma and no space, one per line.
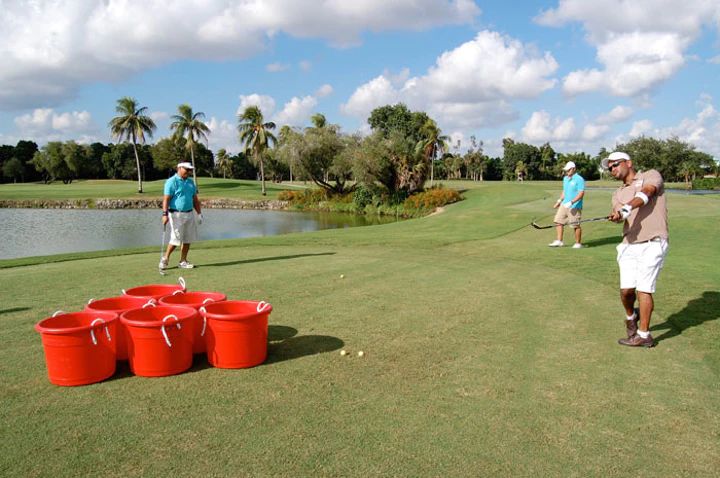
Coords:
156,291
119,305
237,332
160,339
195,300
79,347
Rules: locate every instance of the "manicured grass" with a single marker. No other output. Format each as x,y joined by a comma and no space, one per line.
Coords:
487,354
209,188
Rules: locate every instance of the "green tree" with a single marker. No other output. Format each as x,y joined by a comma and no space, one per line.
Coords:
190,126
289,146
132,125
13,169
431,144
223,163
513,153
256,135
398,118
319,155
167,153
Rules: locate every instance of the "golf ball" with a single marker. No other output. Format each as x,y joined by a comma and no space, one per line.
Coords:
343,352
342,276
361,353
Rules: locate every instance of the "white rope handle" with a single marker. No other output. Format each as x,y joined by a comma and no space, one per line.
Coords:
181,281
92,332
150,303
123,291
164,332
91,300
178,292
204,311
58,312
262,305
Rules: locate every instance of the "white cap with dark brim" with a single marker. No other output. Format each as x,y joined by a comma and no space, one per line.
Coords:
568,166
185,165
616,156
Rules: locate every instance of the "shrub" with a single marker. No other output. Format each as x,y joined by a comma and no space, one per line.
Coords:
432,198
706,183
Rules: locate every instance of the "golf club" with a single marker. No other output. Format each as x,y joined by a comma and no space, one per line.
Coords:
162,249
537,226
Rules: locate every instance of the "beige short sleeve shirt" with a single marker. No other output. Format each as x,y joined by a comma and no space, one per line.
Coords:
649,221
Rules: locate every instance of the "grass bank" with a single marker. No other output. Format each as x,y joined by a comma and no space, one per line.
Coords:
486,354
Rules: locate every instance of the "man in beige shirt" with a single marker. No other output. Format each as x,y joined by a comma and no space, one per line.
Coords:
640,204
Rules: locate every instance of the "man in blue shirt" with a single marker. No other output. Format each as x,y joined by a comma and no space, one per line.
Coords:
569,206
179,200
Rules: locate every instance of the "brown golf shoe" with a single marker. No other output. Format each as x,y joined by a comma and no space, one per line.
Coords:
631,326
637,341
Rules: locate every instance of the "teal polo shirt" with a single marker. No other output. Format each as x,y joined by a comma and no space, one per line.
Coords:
572,187
181,192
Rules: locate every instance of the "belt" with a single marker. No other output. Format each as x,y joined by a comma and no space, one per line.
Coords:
175,210
654,239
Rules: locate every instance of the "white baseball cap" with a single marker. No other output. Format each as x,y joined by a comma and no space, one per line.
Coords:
616,156
185,165
568,166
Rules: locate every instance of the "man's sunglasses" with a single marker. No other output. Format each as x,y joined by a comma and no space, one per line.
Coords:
613,165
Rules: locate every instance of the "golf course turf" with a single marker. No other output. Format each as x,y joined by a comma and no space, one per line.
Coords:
486,354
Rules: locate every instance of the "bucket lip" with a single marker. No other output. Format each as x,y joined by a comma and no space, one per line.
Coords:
169,287
144,299
214,316
182,312
108,317
166,300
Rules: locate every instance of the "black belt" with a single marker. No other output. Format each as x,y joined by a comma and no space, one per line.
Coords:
175,210
654,239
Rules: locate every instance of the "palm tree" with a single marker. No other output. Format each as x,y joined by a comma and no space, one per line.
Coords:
432,143
224,163
318,120
132,124
188,123
256,136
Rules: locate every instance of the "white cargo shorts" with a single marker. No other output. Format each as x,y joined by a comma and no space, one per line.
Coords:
183,228
641,263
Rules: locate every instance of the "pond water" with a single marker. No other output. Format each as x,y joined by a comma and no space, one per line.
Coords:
39,232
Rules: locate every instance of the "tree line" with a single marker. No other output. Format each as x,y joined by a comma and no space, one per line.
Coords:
404,151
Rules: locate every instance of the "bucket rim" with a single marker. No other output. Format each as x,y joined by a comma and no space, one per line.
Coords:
164,300
108,317
170,287
233,317
143,299
181,313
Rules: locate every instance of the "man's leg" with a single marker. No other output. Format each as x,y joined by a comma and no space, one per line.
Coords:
168,251
184,252
647,304
559,232
578,235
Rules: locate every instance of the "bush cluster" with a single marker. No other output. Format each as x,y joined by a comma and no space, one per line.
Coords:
303,198
706,183
432,198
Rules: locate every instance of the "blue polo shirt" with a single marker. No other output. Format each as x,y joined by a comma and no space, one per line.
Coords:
181,192
572,187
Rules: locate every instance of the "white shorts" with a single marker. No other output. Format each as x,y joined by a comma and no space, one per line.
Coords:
640,264
183,229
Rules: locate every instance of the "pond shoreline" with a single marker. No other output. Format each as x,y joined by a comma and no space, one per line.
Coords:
267,204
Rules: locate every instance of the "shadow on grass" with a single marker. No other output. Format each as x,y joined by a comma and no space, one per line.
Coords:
303,346
266,259
603,241
280,332
13,309
698,311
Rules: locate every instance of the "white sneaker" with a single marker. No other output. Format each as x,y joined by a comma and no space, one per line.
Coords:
577,245
185,265
163,264
556,243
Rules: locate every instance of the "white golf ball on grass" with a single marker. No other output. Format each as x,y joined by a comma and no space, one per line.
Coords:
361,353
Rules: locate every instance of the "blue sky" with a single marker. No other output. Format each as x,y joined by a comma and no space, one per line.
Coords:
579,74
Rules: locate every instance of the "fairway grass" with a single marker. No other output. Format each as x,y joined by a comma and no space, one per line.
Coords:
486,354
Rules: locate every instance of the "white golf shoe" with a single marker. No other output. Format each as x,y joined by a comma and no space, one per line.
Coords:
577,245
163,264
556,243
185,265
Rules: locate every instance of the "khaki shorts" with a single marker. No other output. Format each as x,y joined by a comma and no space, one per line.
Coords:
183,229
568,217
641,263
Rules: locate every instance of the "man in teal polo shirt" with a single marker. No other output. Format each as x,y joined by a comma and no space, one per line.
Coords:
569,206
179,201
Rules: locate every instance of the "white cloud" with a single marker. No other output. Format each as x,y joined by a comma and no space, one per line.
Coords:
157,116
297,111
305,65
540,128
593,132
277,67
640,43
471,83
324,90
223,134
616,115
641,127
264,102
715,60
45,124
51,47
